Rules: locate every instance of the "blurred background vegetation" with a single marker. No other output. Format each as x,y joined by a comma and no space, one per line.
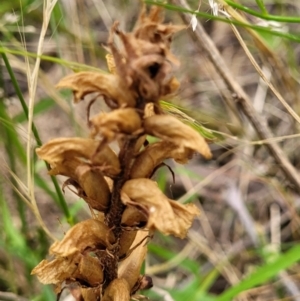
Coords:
245,245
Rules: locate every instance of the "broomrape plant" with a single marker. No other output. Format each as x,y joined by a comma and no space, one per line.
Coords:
100,258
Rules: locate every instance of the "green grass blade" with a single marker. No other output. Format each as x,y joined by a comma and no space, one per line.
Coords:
61,198
20,95
263,274
42,106
263,16
187,264
69,64
261,5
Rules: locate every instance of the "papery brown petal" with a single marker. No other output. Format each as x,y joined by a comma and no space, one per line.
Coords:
90,270
95,187
185,214
153,155
146,68
145,193
118,290
90,234
129,269
149,27
108,85
119,121
90,294
57,270
65,168
156,14
169,128
126,240
61,149
133,217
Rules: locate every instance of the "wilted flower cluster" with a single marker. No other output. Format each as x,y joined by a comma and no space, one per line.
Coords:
100,258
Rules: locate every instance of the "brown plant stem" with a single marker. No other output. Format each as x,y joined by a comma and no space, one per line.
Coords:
240,98
114,215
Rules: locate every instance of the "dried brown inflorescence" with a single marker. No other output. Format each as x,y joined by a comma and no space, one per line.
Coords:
100,258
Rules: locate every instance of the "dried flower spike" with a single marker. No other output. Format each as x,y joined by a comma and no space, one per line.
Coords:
100,259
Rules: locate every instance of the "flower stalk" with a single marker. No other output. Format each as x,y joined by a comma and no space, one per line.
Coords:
101,258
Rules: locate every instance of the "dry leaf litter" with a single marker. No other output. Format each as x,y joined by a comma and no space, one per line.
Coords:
101,258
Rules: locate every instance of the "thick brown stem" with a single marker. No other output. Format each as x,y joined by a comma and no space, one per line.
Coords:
114,215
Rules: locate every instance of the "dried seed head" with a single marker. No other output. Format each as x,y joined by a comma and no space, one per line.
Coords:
98,262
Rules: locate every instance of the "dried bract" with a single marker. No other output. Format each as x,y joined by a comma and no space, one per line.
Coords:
95,188
88,235
145,193
154,154
121,121
167,127
61,150
57,270
110,86
118,290
129,268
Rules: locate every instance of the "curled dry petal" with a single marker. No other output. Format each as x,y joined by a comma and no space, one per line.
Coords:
65,168
169,128
118,290
149,26
57,270
75,267
145,193
110,86
95,187
58,150
143,65
129,268
90,234
119,121
154,154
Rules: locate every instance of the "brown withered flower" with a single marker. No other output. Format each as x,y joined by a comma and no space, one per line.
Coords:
100,258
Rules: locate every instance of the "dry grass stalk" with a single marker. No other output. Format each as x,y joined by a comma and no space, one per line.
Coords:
240,99
101,258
